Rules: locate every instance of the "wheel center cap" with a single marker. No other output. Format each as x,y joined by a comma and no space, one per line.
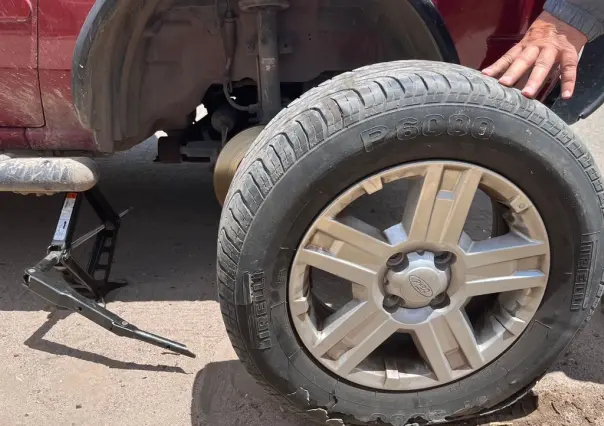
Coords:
419,282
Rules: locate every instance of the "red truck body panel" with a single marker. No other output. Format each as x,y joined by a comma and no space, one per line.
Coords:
20,103
484,30
37,40
59,25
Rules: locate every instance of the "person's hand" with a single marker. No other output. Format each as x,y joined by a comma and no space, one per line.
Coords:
548,41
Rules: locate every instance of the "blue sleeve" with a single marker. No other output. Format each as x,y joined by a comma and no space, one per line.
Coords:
585,15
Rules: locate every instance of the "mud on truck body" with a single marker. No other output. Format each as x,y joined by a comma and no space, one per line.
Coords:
310,107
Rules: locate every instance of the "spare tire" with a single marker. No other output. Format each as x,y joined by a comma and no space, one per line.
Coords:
435,324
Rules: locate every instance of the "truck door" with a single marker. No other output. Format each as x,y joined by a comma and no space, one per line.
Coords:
20,101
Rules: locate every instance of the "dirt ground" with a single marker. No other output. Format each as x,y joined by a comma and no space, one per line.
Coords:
60,369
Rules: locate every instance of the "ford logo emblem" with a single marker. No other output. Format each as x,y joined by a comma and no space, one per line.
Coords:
420,286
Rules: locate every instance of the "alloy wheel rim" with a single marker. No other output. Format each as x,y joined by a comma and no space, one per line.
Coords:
416,278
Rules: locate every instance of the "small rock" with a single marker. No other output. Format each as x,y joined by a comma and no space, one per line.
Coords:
78,406
16,355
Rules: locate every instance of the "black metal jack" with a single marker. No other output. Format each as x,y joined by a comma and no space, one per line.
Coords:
61,280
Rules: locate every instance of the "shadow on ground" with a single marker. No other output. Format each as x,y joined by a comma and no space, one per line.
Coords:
38,342
224,394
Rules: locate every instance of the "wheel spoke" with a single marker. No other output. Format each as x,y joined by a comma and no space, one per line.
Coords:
506,248
431,349
359,274
457,210
367,338
340,324
492,265
521,280
464,335
439,204
356,233
420,203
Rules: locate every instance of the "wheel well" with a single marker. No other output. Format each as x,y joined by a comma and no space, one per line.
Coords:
145,65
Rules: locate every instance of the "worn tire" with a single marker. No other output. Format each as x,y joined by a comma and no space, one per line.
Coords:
345,130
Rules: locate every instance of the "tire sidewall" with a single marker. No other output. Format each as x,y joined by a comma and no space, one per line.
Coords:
547,171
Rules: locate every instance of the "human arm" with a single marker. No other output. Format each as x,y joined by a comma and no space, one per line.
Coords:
556,37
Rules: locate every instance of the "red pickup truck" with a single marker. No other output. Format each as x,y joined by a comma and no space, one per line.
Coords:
304,109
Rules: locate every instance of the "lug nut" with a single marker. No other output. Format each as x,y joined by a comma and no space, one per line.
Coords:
444,259
395,259
392,302
398,262
440,301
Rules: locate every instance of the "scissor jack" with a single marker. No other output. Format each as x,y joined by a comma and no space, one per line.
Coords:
61,280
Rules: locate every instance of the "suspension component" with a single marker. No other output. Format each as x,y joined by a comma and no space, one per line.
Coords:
268,54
